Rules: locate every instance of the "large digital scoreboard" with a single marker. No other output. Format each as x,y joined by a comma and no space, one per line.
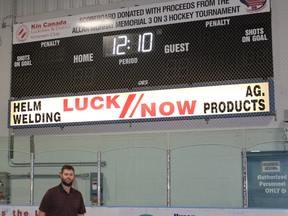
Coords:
172,44
179,60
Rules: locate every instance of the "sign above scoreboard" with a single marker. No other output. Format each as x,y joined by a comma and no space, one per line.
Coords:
137,17
166,44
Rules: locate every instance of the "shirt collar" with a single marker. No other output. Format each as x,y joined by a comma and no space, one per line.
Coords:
62,189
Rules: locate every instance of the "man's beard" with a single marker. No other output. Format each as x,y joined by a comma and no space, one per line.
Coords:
67,184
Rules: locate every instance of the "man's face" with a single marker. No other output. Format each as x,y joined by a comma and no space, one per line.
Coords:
67,177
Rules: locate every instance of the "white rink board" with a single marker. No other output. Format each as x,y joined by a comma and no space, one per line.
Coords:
11,210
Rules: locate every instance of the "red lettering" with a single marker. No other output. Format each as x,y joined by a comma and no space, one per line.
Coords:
127,105
168,108
169,105
93,103
151,111
96,103
85,104
186,107
112,101
65,106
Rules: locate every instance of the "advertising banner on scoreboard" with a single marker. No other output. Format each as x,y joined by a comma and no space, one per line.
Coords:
197,102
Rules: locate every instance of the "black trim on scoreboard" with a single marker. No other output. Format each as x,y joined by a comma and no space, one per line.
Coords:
232,48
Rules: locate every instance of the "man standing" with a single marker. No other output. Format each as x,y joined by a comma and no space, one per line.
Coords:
63,200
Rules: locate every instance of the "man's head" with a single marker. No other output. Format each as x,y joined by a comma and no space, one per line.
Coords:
67,175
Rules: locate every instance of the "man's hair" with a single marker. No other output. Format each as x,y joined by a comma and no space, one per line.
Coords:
67,167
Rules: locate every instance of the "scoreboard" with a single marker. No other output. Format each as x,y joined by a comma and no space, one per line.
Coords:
172,44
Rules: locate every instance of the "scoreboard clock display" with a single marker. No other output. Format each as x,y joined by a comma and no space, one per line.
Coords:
127,44
164,56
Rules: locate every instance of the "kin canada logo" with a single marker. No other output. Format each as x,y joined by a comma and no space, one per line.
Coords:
22,33
254,5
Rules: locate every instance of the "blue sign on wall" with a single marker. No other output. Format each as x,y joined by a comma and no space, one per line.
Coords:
267,179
